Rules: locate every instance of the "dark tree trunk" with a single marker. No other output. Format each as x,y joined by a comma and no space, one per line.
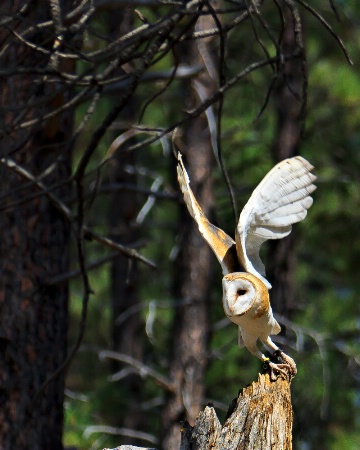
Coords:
191,321
286,144
33,248
192,278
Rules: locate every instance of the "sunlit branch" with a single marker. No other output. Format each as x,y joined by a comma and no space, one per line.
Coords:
142,369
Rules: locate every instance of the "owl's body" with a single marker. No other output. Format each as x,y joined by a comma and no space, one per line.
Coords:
246,303
281,199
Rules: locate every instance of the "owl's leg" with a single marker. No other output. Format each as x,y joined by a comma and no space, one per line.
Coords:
287,363
241,342
274,369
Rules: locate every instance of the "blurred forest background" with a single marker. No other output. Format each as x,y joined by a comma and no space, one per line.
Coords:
110,302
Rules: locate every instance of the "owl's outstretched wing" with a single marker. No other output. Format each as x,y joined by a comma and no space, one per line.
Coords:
221,244
281,199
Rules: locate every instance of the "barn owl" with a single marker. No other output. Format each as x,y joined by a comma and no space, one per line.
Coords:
281,199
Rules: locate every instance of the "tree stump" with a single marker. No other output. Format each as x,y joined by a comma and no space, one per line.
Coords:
260,418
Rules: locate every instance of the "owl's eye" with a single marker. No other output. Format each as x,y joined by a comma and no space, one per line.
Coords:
241,292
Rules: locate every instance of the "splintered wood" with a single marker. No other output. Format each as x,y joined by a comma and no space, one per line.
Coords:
260,418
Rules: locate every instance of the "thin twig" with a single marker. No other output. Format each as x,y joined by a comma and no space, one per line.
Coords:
212,99
65,211
333,7
328,27
65,277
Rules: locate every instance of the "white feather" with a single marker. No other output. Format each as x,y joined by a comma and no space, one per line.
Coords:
281,199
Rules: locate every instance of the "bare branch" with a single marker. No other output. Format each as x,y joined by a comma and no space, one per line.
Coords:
142,369
212,99
88,233
328,27
89,430
64,277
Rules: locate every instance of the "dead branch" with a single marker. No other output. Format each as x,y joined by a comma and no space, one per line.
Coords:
143,369
65,211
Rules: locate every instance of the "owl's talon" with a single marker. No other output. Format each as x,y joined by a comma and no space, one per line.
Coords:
277,370
287,361
272,368
285,368
277,356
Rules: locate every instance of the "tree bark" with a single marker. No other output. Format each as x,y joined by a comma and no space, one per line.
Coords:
260,418
191,284
34,245
191,320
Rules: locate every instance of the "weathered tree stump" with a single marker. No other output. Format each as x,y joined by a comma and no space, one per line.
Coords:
260,418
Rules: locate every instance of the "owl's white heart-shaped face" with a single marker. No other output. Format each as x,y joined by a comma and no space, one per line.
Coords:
240,291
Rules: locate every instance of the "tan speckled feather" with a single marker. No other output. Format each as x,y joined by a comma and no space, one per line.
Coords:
221,244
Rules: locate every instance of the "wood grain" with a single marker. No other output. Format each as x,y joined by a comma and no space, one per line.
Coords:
259,418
